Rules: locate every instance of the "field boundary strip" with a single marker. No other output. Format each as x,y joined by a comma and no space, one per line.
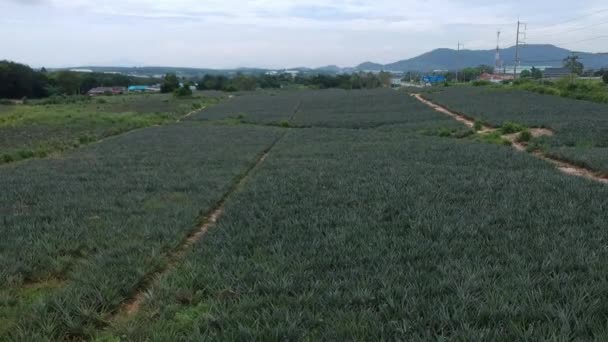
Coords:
563,166
187,115
132,304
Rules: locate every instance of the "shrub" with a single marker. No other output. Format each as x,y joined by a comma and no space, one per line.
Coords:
524,136
477,126
605,77
481,83
445,132
7,158
511,127
183,91
101,101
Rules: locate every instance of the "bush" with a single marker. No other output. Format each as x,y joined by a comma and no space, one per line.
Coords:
477,126
524,136
511,127
605,77
64,99
445,132
183,91
481,83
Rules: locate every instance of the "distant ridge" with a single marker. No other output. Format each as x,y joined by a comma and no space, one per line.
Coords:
449,59
438,59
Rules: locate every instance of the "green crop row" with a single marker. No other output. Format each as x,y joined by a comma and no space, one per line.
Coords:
371,235
100,220
579,126
327,108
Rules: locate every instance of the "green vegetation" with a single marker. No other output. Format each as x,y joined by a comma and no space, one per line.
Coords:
329,108
242,82
170,84
578,125
580,90
59,123
104,217
18,81
511,127
524,136
403,237
477,126
494,137
183,91
363,222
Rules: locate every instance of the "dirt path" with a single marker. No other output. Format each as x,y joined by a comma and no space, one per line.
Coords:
190,114
461,118
132,305
565,167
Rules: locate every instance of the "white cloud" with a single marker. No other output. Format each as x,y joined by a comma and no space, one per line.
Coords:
273,33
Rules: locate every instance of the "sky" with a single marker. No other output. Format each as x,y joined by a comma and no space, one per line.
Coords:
281,33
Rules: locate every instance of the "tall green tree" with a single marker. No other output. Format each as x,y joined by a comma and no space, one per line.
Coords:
68,82
574,65
170,83
19,80
536,74
385,79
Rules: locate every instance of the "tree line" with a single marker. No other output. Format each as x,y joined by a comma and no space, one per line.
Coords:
19,81
242,82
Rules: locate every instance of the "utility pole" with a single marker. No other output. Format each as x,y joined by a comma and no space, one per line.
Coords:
517,43
498,64
458,60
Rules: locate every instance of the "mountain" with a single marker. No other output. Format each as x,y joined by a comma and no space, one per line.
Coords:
370,66
439,59
449,59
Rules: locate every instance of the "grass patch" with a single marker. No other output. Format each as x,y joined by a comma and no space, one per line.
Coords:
63,123
494,137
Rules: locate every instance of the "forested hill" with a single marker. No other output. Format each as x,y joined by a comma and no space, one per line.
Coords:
450,59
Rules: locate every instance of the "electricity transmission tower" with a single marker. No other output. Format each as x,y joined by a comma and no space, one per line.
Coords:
519,40
458,60
498,63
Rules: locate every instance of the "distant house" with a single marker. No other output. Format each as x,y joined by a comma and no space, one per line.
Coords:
510,69
433,79
396,82
107,91
144,89
494,78
556,73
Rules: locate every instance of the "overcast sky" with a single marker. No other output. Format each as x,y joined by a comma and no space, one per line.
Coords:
280,33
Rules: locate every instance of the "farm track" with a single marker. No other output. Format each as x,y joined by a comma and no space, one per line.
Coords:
132,305
562,166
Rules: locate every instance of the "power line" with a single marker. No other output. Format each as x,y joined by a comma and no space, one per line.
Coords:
583,40
572,30
571,20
